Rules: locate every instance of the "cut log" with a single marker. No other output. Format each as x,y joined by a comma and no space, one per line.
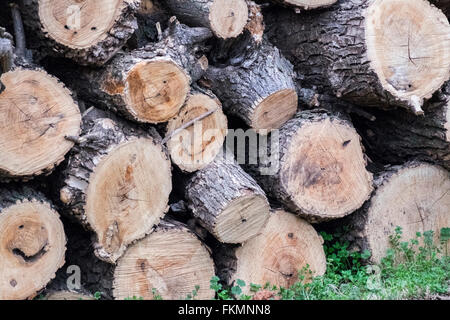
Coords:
194,147
117,183
258,89
89,31
32,240
225,18
381,53
414,196
150,84
36,113
170,263
316,167
227,201
285,246
395,137
306,4
68,295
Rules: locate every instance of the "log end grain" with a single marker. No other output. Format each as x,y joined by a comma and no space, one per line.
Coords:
156,90
169,262
272,112
127,195
228,17
32,250
196,146
414,197
36,113
323,170
408,48
285,246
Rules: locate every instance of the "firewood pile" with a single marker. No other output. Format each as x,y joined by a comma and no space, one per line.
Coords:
149,145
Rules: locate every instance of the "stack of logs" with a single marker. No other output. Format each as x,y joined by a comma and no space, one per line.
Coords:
114,118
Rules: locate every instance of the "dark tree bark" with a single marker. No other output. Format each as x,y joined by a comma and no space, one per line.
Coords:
257,87
227,201
395,137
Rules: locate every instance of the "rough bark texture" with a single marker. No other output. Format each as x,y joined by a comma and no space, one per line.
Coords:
294,168
214,190
33,242
249,79
413,196
98,52
395,137
96,275
329,51
109,87
100,138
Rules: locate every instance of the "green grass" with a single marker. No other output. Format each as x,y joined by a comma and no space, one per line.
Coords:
414,269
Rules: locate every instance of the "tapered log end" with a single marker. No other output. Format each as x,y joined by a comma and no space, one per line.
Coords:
156,90
196,146
307,4
408,48
416,198
275,110
169,262
33,246
285,246
228,17
242,219
36,113
324,170
127,195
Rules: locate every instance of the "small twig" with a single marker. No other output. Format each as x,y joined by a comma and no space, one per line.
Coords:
19,31
188,124
159,30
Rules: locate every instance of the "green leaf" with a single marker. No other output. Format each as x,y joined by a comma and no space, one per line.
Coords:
240,283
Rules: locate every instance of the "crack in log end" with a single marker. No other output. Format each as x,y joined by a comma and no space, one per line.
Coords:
112,239
32,258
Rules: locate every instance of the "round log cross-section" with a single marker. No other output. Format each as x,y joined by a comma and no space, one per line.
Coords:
36,113
32,241
196,146
170,263
285,246
87,31
414,197
322,168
